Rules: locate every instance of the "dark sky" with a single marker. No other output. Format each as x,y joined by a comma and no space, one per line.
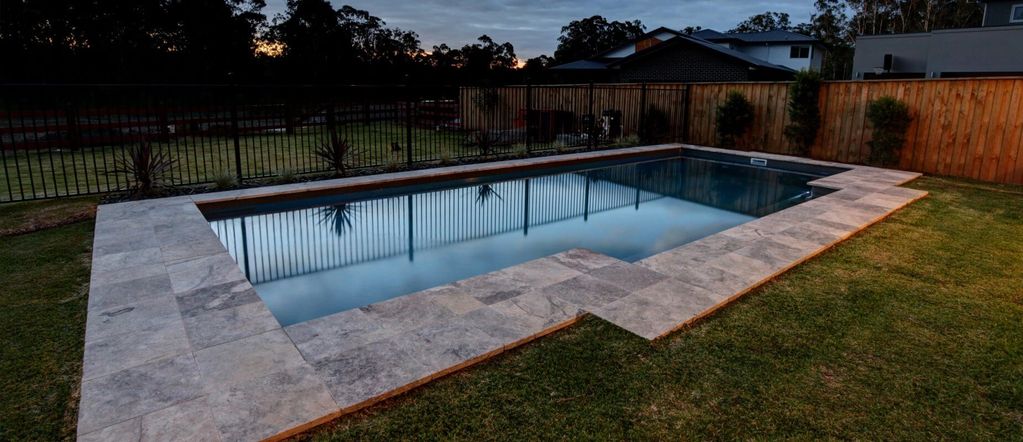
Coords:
533,26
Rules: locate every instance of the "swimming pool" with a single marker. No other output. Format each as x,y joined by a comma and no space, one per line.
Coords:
330,254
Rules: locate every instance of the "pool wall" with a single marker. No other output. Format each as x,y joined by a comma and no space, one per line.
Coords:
180,347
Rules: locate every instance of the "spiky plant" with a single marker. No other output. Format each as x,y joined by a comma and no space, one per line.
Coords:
485,193
338,217
445,156
224,179
484,143
520,150
286,175
147,169
337,153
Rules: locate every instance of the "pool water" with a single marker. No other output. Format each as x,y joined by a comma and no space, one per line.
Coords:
310,262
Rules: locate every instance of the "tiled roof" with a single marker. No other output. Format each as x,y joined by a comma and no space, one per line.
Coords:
775,36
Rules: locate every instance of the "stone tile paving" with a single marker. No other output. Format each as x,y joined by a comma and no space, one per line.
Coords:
179,346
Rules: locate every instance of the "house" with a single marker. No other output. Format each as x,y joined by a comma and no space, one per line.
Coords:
667,55
994,49
785,48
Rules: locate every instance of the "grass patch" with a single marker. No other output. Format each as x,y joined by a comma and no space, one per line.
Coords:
44,278
201,159
911,330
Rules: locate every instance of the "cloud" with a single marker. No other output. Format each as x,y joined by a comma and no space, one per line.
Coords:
533,26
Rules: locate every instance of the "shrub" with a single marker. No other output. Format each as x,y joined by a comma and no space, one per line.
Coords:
224,179
445,156
286,175
393,164
148,170
804,111
626,141
520,150
655,125
336,154
889,118
734,118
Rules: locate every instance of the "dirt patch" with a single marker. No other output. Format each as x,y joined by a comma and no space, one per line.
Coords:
42,220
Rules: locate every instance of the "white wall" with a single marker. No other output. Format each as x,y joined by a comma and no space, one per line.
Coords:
779,54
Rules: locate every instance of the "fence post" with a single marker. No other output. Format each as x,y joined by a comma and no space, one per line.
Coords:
408,127
591,131
529,116
642,112
235,134
685,114
72,120
332,120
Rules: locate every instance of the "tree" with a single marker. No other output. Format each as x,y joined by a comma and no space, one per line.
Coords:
734,118
214,40
536,66
488,55
768,21
804,111
889,119
587,37
830,25
871,17
137,41
344,45
314,42
475,63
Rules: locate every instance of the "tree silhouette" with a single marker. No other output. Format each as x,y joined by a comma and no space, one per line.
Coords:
587,37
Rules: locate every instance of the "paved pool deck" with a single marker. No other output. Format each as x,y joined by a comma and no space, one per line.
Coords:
179,346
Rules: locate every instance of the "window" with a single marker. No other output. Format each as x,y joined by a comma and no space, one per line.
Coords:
1016,16
799,52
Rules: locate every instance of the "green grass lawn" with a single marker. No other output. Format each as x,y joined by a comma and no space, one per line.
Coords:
202,159
910,330
44,280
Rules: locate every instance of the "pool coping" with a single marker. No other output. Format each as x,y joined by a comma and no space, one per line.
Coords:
179,345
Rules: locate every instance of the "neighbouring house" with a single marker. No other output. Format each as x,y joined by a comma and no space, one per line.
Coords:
994,49
785,48
667,55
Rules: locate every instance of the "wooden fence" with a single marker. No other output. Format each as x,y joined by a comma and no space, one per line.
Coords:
961,127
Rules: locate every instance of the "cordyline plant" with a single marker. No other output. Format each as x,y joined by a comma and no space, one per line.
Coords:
148,170
338,217
486,192
336,153
804,111
484,142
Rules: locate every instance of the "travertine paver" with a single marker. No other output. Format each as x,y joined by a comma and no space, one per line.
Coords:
179,346
722,266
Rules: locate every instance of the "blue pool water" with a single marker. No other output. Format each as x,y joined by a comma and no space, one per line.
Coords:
313,261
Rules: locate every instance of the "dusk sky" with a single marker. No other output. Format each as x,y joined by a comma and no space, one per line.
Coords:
533,26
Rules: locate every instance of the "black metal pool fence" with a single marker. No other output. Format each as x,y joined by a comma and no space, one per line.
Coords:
66,140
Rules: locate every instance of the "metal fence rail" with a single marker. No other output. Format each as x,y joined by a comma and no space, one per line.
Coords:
65,140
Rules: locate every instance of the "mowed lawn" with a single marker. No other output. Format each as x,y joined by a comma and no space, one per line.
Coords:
50,172
910,330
